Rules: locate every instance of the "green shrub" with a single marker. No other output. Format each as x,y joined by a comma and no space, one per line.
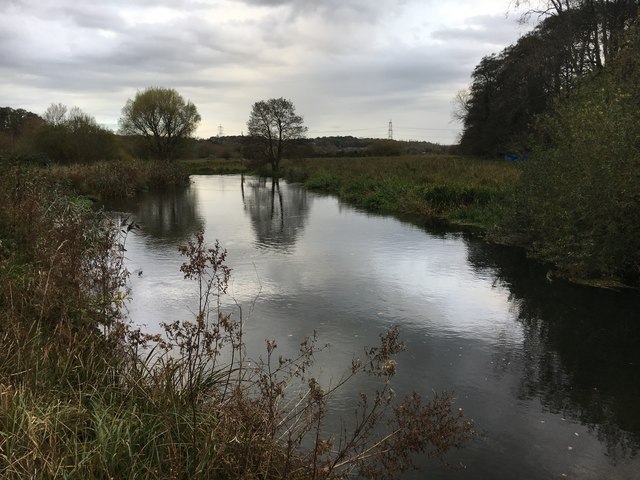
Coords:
578,201
451,195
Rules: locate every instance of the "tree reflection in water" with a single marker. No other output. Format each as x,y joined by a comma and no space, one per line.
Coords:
278,215
168,218
580,346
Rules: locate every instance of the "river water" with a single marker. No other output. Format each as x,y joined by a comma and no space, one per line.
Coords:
549,371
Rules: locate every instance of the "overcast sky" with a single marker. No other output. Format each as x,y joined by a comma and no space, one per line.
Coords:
349,66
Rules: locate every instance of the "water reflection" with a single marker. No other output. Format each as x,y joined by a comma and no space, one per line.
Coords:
548,370
278,216
580,346
166,219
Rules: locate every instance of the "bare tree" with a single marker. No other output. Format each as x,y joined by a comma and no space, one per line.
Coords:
274,123
55,114
461,105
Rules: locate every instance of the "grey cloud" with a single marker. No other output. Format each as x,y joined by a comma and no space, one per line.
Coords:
12,4
89,15
148,55
392,73
337,10
347,56
268,3
82,14
487,29
181,50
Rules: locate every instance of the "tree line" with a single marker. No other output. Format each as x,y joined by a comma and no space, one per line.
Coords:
572,44
567,95
156,123
578,202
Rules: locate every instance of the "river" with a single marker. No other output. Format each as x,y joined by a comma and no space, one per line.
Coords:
549,371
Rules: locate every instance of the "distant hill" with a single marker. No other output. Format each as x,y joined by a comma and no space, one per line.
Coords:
347,146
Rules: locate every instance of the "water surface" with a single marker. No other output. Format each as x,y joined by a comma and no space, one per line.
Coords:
549,371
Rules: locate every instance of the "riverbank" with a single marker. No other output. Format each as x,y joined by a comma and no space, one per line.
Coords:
84,394
453,189
436,188
441,188
445,189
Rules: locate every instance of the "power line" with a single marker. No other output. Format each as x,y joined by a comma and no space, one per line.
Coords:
390,131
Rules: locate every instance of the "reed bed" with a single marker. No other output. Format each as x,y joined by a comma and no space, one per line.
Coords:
120,178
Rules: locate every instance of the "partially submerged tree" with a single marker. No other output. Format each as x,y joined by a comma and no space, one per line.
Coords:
162,117
274,124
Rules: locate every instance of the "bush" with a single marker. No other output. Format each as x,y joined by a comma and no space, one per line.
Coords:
78,139
451,195
578,201
386,148
120,178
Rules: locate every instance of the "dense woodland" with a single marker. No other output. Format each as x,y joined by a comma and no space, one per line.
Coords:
574,42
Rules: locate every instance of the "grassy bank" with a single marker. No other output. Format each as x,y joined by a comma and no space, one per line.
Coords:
491,195
455,189
451,188
83,394
214,166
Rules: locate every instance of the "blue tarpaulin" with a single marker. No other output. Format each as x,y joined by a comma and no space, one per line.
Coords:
514,157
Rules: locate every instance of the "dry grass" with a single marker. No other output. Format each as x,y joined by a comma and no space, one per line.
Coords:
119,178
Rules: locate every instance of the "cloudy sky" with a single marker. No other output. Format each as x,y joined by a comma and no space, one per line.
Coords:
349,66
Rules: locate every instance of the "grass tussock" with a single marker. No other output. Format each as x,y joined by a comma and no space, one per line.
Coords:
457,189
83,394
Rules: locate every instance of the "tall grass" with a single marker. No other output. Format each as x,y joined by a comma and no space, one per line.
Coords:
83,394
458,189
120,178
214,166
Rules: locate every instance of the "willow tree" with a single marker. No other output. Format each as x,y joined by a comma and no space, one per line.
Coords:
162,117
273,124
